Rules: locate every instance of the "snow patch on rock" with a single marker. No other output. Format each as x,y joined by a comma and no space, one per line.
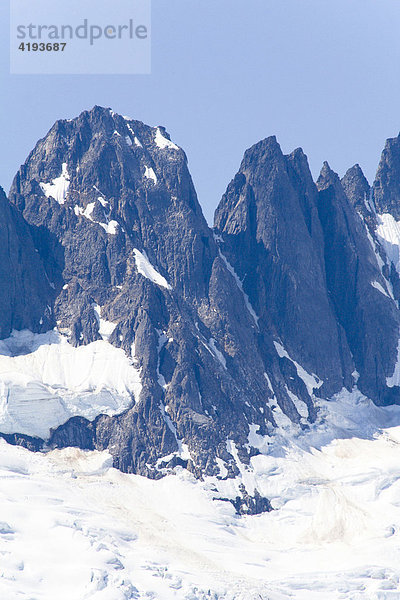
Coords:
380,288
239,283
149,174
106,328
217,353
388,232
146,269
311,381
58,188
135,138
162,142
394,380
110,227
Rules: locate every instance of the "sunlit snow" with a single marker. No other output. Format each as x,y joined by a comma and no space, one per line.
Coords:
149,174
162,142
106,328
74,527
146,269
44,381
135,138
111,227
58,188
388,232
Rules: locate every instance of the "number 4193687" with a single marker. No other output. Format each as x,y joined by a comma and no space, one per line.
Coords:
42,47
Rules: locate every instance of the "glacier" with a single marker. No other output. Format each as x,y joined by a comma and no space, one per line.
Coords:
72,526
44,381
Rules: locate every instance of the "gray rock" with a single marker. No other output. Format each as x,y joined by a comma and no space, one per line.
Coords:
369,318
386,188
198,335
269,223
25,292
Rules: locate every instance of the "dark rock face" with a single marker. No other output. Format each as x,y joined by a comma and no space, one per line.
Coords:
361,197
249,505
358,191
271,231
25,293
386,188
95,192
305,252
369,317
30,443
292,296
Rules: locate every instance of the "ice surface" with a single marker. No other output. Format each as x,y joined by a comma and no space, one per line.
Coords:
146,269
58,188
162,142
44,381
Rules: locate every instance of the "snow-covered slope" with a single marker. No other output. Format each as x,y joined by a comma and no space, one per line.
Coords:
44,381
93,532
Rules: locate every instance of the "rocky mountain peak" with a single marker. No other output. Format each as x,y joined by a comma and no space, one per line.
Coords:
358,191
327,177
214,336
386,188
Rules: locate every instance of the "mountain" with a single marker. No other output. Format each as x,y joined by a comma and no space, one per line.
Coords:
171,344
308,267
111,205
25,291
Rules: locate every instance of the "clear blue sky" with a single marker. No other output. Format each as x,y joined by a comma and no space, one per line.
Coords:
320,74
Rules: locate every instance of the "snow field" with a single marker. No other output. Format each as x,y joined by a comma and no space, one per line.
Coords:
74,527
44,381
